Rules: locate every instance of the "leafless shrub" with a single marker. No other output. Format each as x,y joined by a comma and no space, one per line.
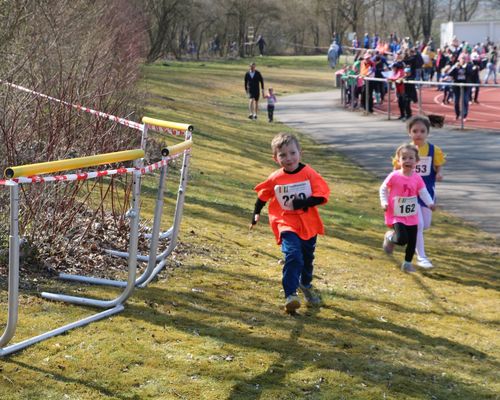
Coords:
80,52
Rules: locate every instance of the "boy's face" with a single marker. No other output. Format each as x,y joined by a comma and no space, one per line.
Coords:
288,157
418,134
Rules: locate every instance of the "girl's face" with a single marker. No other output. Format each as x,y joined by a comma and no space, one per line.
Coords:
288,157
418,133
408,160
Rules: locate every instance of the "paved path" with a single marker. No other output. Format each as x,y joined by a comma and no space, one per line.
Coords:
471,184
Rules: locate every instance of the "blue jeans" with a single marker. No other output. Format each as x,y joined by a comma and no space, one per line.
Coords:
299,257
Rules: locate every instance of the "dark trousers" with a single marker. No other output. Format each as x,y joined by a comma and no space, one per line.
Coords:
464,101
406,235
476,92
299,257
270,112
368,107
404,104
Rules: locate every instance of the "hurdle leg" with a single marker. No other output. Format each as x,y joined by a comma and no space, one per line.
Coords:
177,220
133,214
13,289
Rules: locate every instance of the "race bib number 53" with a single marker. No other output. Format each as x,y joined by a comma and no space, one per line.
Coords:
423,168
285,194
405,206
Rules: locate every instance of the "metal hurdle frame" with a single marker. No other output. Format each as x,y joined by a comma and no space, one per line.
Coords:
155,262
113,306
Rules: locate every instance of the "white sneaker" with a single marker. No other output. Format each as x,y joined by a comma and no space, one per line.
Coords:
424,262
388,246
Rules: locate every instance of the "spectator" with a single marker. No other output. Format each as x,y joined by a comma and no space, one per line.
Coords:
491,65
367,71
253,83
261,43
461,72
441,61
428,56
366,41
333,54
476,68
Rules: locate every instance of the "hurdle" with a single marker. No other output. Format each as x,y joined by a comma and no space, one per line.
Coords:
155,262
23,175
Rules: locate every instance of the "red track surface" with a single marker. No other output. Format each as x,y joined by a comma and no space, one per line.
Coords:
485,115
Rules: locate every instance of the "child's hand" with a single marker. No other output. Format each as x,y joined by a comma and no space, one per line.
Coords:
439,177
433,207
384,207
255,219
299,204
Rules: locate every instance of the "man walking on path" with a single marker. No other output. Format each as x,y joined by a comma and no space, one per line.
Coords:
253,83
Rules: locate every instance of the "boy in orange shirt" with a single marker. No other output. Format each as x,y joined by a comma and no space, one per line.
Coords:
294,191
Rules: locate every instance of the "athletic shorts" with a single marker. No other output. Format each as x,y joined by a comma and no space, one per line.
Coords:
254,95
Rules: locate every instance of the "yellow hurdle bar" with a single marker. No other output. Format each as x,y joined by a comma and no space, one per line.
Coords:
73,163
177,148
166,124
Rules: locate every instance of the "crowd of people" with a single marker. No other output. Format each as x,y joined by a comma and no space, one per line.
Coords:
399,61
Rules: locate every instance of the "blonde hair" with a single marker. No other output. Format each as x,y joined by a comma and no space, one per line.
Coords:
283,139
410,147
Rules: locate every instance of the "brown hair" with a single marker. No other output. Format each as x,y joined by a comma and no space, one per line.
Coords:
282,139
418,119
408,146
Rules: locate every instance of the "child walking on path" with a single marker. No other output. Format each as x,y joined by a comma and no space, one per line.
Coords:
271,101
399,198
294,191
430,168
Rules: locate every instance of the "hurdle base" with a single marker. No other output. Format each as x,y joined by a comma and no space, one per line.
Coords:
36,339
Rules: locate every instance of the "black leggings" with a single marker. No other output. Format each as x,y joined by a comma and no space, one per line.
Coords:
406,235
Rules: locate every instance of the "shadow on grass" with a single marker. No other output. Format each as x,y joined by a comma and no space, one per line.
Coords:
462,270
104,392
351,337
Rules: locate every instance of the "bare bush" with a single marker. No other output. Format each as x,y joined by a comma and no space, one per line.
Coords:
80,52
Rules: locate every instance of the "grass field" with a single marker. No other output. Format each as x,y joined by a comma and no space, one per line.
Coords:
213,327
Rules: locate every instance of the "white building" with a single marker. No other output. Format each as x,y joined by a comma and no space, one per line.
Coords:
472,32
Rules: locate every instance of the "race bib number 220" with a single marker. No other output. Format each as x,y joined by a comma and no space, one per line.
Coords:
285,194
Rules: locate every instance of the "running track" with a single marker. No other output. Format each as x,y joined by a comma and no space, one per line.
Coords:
485,115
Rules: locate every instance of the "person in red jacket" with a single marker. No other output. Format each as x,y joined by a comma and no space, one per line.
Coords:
398,77
294,192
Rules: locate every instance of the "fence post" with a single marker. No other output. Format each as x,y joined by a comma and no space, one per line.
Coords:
419,99
389,89
367,95
353,88
462,106
342,92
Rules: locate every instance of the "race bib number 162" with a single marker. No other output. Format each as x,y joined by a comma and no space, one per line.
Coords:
405,206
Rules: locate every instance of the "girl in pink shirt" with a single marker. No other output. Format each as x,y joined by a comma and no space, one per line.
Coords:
399,198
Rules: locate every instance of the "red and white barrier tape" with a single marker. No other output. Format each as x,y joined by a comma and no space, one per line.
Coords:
121,121
171,131
90,175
